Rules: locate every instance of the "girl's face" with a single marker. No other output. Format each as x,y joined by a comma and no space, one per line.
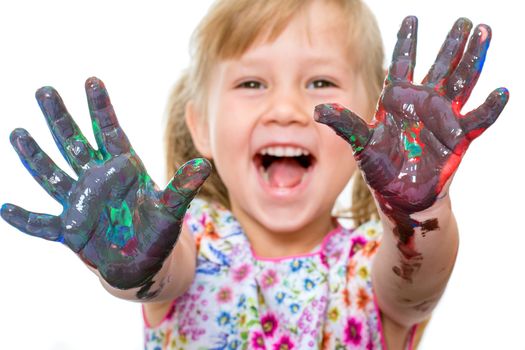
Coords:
283,171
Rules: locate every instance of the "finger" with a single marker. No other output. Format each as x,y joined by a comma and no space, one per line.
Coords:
477,121
404,56
39,225
56,182
185,185
345,124
464,78
450,53
72,144
110,137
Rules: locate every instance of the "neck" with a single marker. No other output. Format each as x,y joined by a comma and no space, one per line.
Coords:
269,244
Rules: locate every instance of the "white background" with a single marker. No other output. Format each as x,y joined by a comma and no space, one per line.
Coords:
49,300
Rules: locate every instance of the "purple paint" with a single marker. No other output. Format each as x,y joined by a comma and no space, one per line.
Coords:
115,218
418,135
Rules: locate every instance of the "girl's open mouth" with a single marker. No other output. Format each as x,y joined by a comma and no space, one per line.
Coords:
284,167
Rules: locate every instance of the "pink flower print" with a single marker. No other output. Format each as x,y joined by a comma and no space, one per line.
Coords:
283,344
269,278
224,295
269,324
353,332
241,272
357,244
324,259
258,341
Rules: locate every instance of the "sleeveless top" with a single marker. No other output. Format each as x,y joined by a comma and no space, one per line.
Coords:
320,300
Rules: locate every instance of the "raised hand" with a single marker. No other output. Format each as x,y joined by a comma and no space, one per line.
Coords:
418,135
114,217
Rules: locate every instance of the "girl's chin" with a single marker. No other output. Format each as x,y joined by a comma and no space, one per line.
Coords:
288,219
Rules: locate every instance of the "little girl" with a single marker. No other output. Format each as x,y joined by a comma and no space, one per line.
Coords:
258,261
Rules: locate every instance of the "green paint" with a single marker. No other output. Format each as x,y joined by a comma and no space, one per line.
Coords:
120,230
144,179
356,142
96,127
198,162
413,148
171,187
410,139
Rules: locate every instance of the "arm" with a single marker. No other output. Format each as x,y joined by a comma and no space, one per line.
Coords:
115,218
408,286
408,156
176,276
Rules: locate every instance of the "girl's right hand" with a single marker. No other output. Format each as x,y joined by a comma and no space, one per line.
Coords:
115,218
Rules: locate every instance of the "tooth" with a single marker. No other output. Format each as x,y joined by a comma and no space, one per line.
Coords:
279,151
289,152
265,175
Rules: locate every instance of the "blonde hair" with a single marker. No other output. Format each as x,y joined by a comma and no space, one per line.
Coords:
229,30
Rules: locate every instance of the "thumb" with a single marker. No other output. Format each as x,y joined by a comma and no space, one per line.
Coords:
345,124
477,121
186,183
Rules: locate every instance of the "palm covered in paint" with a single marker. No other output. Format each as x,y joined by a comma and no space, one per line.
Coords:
114,216
418,136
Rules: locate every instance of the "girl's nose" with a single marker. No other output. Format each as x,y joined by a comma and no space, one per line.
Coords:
287,107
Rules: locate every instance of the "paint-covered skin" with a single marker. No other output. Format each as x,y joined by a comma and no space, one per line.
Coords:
418,136
114,216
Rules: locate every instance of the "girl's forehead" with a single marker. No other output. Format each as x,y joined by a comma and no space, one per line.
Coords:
315,25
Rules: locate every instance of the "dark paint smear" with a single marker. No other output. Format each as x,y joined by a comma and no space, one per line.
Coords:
418,136
115,218
411,259
408,266
145,294
429,225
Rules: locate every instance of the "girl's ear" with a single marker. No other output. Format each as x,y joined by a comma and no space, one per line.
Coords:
199,129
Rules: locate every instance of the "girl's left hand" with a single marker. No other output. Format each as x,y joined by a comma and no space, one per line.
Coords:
418,135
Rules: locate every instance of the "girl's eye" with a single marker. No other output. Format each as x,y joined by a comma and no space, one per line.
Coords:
320,84
250,84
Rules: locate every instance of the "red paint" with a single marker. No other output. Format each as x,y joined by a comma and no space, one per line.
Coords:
404,184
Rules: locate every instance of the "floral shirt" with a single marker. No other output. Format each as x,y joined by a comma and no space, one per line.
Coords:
321,300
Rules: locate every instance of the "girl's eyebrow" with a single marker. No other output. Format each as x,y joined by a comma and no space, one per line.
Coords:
317,60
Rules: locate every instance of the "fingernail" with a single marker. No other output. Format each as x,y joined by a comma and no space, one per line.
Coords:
191,175
323,113
464,24
408,26
503,95
94,83
97,93
20,139
483,32
9,214
48,99
6,210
